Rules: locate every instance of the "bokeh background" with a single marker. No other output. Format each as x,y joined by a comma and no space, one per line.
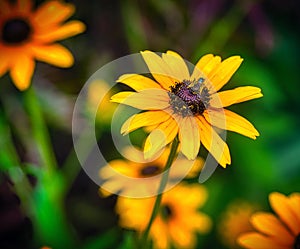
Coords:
265,33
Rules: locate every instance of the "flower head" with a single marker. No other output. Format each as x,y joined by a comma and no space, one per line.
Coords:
137,167
280,231
178,220
186,104
235,221
27,34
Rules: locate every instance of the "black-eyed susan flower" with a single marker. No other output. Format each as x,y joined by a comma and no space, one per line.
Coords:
280,231
136,167
178,220
235,221
28,34
186,104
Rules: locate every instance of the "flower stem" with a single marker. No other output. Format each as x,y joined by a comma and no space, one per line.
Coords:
161,188
40,132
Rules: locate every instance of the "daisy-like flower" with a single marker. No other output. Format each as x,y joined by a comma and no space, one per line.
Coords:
136,167
235,221
187,105
178,219
280,231
28,34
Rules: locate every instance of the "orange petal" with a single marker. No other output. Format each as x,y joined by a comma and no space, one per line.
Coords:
270,225
55,54
5,8
159,69
53,12
150,99
258,241
138,82
160,137
24,6
143,119
237,95
21,71
228,120
189,137
294,201
59,33
280,204
214,143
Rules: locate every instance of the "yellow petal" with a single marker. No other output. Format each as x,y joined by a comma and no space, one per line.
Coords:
160,137
225,71
59,33
280,205
143,119
294,200
228,120
270,225
258,241
206,66
138,82
234,96
159,69
178,68
214,143
150,99
21,71
53,12
189,137
55,54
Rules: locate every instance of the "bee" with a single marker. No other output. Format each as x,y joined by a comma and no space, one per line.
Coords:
195,85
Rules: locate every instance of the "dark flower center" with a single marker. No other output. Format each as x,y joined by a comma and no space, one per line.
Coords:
189,97
150,170
297,242
166,212
15,31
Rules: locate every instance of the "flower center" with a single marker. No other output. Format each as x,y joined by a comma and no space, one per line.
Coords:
166,212
189,97
297,242
15,31
150,170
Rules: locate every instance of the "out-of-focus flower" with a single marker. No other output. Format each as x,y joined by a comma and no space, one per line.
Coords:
187,105
28,34
178,219
98,101
280,231
135,168
235,221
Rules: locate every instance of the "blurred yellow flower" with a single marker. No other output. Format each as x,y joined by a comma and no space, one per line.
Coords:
135,168
280,231
27,34
99,101
188,105
178,220
235,221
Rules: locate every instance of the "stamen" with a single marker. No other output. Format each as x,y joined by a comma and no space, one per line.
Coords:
297,242
189,97
15,31
150,170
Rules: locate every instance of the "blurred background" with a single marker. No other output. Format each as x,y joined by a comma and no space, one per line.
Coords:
265,33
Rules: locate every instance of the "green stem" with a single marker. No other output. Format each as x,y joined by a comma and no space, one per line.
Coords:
161,188
40,131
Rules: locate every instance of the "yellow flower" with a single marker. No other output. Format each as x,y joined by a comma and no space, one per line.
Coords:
280,231
27,34
234,222
178,220
137,167
187,105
